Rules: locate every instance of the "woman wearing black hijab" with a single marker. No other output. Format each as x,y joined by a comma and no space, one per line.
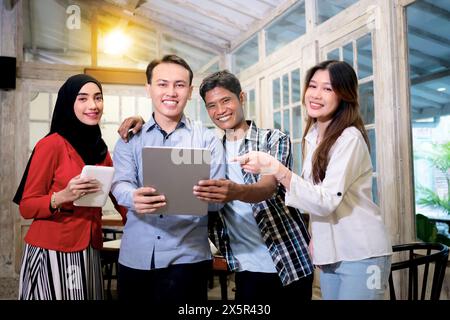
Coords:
61,258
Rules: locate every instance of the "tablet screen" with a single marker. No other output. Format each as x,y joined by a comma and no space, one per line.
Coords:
105,176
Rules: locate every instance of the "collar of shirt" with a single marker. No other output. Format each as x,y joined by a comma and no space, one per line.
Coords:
251,135
311,137
151,124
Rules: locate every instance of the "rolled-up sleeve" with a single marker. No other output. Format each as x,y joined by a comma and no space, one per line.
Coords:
347,163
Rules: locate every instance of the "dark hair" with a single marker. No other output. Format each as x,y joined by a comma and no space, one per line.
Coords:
345,84
169,58
224,79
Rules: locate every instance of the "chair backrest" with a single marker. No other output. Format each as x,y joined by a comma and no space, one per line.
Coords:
416,259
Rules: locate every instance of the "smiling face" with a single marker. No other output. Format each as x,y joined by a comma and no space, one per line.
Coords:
320,99
169,90
225,108
88,106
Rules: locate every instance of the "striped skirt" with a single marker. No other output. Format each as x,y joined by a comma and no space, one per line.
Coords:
54,275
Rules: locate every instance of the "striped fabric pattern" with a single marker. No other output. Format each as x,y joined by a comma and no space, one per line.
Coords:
282,228
54,275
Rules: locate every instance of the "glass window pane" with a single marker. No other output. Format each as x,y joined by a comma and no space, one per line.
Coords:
39,106
111,108
191,109
277,120
375,191
295,85
296,123
366,102
429,61
288,27
276,93
38,130
213,68
347,51
286,90
204,116
144,108
333,55
246,56
364,49
251,104
194,56
328,8
373,148
286,121
54,97
109,135
297,156
50,37
128,107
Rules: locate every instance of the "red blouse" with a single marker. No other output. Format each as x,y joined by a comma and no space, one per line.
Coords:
55,162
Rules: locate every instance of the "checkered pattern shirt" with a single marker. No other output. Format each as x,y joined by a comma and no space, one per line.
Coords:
282,228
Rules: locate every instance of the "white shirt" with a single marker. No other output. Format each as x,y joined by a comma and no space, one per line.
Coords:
246,241
345,222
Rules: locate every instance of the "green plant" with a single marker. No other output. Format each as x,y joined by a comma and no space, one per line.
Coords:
439,157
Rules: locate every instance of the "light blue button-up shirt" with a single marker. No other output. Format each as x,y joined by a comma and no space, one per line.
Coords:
153,240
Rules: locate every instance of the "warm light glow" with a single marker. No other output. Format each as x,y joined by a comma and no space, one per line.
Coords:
116,42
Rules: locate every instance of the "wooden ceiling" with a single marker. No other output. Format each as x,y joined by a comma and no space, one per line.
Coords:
219,25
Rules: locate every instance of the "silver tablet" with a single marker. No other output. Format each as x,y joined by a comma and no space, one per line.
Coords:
105,176
174,172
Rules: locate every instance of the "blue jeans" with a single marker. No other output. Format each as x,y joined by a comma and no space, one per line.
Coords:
355,280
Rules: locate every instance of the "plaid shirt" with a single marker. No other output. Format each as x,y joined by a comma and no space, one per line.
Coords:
282,228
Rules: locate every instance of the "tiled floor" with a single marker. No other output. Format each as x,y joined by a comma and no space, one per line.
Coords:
215,292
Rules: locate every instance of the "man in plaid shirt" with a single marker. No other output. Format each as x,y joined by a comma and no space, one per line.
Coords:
262,239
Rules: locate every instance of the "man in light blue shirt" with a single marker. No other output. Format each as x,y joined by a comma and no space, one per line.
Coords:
163,258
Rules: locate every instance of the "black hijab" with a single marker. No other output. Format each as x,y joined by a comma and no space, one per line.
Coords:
85,139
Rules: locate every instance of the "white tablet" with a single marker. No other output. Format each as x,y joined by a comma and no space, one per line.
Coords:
174,172
105,176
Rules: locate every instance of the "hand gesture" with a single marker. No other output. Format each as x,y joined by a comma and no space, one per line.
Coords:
218,191
258,162
130,126
146,200
76,188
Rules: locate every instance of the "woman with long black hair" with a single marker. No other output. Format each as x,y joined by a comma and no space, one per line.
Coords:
61,257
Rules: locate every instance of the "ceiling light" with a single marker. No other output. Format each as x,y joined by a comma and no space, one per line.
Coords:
116,42
441,89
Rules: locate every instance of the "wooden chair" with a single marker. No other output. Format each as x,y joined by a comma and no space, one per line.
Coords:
417,258
220,269
109,258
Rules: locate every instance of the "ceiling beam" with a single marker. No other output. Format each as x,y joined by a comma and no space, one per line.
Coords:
195,38
429,36
432,93
430,77
234,23
270,3
242,8
171,18
258,25
426,56
132,5
433,9
424,100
